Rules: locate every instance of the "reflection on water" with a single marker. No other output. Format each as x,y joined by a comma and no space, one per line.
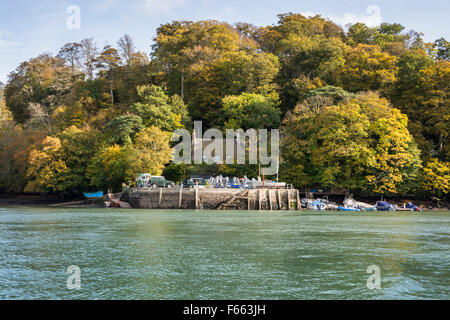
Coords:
183,254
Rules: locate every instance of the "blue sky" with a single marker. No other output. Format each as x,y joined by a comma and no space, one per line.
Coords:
29,27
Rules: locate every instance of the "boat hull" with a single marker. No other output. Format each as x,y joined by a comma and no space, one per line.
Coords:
369,209
348,209
98,194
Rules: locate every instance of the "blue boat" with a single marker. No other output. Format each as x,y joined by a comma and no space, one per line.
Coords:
97,194
348,209
385,206
412,206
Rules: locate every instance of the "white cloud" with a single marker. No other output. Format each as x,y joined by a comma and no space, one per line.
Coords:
151,7
371,18
4,42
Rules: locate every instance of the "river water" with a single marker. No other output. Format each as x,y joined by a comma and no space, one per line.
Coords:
187,254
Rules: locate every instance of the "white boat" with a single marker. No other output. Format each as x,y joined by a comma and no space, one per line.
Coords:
352,203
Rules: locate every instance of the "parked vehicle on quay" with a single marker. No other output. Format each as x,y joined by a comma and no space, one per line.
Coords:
146,180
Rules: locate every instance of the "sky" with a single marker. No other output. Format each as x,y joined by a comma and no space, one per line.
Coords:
29,28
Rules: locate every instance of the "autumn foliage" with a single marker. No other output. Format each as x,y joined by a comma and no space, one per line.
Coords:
364,108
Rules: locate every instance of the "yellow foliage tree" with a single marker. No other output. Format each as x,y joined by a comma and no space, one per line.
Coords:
153,150
437,177
115,165
367,67
46,168
361,143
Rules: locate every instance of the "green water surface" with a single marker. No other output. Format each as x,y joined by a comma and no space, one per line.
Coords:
187,254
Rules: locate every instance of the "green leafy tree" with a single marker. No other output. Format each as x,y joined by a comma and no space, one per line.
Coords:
251,110
185,46
116,165
388,36
177,172
435,105
157,109
407,94
442,47
232,74
122,129
78,147
336,94
112,166
355,144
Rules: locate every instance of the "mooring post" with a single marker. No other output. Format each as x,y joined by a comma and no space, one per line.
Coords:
288,199
248,199
280,207
196,198
299,204
160,198
180,196
270,199
259,199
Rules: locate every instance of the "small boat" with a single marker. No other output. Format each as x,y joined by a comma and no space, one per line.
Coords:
316,205
97,194
352,203
385,206
409,207
305,201
113,204
413,206
404,209
348,208
371,208
331,206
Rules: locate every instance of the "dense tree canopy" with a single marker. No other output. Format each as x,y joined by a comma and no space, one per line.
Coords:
364,108
251,110
359,143
367,67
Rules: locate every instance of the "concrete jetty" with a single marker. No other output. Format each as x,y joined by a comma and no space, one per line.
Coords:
213,198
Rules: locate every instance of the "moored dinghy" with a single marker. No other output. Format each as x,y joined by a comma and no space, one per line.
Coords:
97,194
352,203
409,207
316,205
385,206
413,206
365,206
348,208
